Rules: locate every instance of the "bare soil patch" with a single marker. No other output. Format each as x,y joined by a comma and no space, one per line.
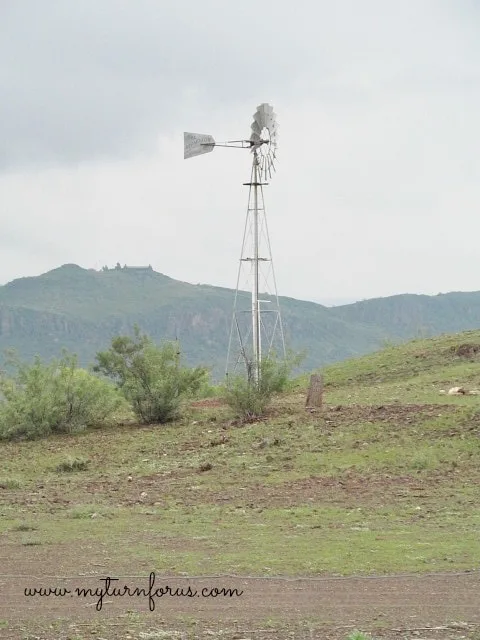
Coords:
390,607
401,414
466,350
207,403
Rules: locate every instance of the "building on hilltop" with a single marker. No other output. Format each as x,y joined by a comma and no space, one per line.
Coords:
136,269
139,269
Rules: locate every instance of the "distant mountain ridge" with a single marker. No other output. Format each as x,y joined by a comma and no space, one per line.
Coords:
82,309
411,315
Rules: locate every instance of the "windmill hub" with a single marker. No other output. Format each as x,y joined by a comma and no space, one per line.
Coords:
264,144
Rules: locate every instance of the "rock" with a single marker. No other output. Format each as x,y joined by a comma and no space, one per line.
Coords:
456,391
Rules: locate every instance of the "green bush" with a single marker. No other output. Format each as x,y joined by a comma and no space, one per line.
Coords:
150,377
71,464
57,397
249,399
208,390
245,398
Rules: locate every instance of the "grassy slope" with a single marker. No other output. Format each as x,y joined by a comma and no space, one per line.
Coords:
413,372
384,481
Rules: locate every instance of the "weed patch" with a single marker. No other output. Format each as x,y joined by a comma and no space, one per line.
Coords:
10,483
71,464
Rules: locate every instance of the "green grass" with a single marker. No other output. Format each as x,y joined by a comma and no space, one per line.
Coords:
10,483
435,360
383,480
71,464
307,540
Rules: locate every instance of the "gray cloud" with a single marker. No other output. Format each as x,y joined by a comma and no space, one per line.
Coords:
83,80
378,173
80,80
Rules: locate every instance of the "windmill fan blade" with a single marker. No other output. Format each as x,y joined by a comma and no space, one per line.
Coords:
268,120
258,121
264,118
265,108
256,127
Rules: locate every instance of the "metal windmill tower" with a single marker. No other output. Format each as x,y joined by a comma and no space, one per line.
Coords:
256,323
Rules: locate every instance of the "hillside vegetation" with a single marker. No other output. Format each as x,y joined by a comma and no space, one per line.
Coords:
82,309
444,357
410,315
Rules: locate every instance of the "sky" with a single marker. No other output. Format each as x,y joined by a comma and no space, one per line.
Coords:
377,184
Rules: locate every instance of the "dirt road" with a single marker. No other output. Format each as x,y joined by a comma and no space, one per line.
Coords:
394,606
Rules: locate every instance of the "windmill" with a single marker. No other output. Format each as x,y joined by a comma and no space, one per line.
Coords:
256,327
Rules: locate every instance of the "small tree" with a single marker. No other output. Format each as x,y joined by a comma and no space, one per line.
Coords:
151,377
40,399
249,399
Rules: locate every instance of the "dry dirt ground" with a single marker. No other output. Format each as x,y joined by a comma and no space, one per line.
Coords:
385,606
428,606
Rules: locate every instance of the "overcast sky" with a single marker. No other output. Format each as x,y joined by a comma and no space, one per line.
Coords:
377,189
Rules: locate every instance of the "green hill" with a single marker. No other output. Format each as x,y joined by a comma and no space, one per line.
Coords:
82,309
408,315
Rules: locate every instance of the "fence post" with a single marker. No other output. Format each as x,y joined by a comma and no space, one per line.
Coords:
315,392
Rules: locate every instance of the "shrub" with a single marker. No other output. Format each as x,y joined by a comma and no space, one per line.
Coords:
57,397
150,377
71,464
249,399
245,398
207,390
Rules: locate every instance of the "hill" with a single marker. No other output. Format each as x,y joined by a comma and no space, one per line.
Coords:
81,309
409,315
